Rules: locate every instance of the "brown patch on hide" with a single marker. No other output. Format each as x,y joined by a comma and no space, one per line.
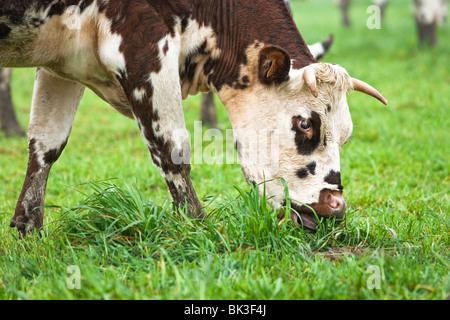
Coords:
307,142
334,177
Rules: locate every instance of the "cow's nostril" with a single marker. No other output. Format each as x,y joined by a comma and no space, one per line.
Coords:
334,202
338,205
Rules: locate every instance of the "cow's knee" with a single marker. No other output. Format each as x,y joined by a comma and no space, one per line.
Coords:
168,141
171,154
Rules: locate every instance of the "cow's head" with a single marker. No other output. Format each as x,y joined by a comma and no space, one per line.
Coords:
289,125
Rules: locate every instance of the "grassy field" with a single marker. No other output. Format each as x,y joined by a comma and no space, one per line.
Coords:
109,213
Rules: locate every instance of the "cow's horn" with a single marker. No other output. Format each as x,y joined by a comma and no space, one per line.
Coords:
309,75
361,86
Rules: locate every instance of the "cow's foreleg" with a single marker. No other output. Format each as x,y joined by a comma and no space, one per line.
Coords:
427,33
54,104
157,107
345,4
162,127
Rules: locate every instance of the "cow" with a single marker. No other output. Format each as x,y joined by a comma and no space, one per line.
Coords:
144,56
344,5
8,120
428,15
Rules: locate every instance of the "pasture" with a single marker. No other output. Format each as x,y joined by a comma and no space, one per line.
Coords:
109,213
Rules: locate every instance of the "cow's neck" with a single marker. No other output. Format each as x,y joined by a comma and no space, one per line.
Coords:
240,27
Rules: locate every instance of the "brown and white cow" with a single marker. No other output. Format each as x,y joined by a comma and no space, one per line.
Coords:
143,57
428,15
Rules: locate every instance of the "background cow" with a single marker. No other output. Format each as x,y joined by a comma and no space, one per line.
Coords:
8,120
344,6
428,15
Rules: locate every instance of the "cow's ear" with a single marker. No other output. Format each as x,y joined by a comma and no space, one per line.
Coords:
274,65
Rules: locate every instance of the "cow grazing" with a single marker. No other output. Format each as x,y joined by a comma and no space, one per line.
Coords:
428,15
144,56
8,120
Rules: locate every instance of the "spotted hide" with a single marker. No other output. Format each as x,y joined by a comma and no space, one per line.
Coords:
144,56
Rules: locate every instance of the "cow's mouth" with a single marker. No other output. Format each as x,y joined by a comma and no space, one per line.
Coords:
330,205
303,216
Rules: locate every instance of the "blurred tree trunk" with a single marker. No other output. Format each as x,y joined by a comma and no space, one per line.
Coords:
8,120
208,110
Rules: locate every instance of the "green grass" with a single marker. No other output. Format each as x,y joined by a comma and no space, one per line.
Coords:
109,212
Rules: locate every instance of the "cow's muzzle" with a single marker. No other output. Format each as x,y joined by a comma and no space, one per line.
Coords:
331,204
338,206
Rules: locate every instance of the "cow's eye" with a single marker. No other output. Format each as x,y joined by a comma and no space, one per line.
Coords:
305,125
